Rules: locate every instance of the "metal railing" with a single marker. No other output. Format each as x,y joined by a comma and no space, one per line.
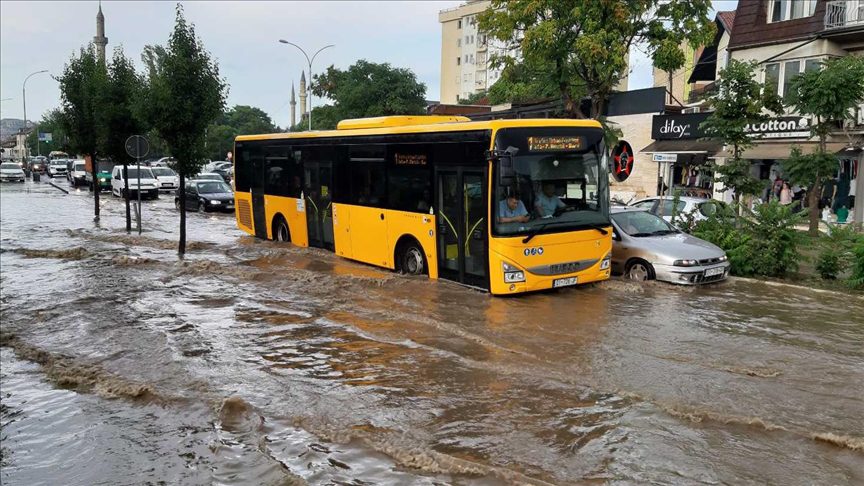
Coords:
844,13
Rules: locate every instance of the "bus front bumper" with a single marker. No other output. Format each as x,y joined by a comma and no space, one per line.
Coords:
521,281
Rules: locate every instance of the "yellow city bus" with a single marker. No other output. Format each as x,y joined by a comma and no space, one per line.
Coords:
416,194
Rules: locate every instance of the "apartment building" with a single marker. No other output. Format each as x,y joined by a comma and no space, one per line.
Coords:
465,53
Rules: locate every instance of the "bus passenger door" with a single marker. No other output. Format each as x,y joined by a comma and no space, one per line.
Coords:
319,210
259,215
461,225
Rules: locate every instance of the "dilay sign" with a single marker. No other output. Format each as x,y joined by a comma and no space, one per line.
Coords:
678,127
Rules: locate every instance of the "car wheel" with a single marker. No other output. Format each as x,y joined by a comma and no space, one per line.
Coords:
639,270
281,232
411,260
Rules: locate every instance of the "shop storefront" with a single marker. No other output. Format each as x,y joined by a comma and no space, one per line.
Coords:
682,154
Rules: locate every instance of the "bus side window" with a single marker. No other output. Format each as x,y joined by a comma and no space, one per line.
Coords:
409,178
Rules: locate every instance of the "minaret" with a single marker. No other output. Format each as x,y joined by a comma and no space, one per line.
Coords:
293,105
302,94
100,40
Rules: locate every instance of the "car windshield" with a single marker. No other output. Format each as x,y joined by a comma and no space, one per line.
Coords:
9,166
213,188
642,223
80,167
209,177
146,173
558,181
162,171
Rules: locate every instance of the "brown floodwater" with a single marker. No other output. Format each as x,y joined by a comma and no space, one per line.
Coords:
249,362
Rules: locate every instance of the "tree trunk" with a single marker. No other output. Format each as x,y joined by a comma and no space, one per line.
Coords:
813,201
94,166
182,194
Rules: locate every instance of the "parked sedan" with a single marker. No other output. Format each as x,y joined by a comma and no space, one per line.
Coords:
645,247
662,206
168,180
204,196
11,172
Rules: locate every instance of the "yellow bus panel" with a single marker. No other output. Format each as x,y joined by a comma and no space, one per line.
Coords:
294,212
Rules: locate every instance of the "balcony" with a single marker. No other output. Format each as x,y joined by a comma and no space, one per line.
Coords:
844,14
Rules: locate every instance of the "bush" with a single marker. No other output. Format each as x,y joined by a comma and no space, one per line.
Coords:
761,242
857,279
836,251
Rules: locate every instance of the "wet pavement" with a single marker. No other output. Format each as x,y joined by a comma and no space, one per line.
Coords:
249,362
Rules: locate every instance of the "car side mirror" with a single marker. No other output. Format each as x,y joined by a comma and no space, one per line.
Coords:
616,236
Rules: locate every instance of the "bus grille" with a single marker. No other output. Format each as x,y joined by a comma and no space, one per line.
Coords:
244,213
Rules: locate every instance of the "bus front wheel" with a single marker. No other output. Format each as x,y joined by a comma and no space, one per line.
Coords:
411,259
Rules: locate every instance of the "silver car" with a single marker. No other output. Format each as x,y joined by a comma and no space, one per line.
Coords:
645,247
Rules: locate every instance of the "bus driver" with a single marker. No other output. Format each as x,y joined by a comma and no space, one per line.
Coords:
547,202
511,210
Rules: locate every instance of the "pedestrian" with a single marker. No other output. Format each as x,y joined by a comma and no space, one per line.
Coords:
786,195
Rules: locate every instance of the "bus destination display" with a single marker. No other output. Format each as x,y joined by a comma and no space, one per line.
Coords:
554,144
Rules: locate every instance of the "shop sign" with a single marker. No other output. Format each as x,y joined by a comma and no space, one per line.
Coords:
780,127
665,157
678,127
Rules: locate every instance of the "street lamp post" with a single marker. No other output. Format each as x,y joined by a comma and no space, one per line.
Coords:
24,96
310,71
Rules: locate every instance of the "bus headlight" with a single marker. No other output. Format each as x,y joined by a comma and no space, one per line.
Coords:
512,274
607,260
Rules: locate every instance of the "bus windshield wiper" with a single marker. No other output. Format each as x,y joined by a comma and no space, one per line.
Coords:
540,228
599,227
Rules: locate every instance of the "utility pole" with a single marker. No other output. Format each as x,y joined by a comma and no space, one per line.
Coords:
310,72
24,96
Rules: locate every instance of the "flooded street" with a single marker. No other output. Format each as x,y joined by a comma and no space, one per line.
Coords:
251,362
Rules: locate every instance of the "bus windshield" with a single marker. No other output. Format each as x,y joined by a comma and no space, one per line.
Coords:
557,183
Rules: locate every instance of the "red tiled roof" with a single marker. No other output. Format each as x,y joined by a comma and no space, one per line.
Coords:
728,20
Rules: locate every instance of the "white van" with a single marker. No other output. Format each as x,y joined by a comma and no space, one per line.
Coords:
149,183
77,175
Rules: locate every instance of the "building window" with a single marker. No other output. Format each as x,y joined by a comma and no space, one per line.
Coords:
459,24
772,77
458,61
790,70
459,42
812,65
781,10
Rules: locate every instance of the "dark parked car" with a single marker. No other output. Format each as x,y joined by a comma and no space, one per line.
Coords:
226,171
204,196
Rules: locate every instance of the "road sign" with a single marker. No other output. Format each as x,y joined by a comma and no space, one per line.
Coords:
45,137
665,157
137,146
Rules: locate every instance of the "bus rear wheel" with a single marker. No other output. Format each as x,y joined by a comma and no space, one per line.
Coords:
411,259
280,232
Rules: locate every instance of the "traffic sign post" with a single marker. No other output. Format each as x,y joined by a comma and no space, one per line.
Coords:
137,147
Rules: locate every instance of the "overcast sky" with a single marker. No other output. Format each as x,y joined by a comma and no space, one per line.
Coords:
241,36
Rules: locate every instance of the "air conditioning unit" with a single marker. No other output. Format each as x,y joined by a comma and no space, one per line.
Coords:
692,109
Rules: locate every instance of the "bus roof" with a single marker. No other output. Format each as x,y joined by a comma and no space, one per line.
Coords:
420,124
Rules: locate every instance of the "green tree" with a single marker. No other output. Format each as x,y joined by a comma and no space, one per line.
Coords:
473,99
586,44
519,84
829,96
121,113
739,100
51,123
81,84
239,120
367,89
183,98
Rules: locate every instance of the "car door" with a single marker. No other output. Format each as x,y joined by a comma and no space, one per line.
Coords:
116,181
192,196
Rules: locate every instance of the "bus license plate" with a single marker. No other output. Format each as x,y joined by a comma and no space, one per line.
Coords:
563,282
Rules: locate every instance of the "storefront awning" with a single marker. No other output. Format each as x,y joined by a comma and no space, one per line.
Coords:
777,151
691,146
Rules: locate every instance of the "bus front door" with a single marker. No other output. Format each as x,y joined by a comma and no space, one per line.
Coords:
461,222
319,210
